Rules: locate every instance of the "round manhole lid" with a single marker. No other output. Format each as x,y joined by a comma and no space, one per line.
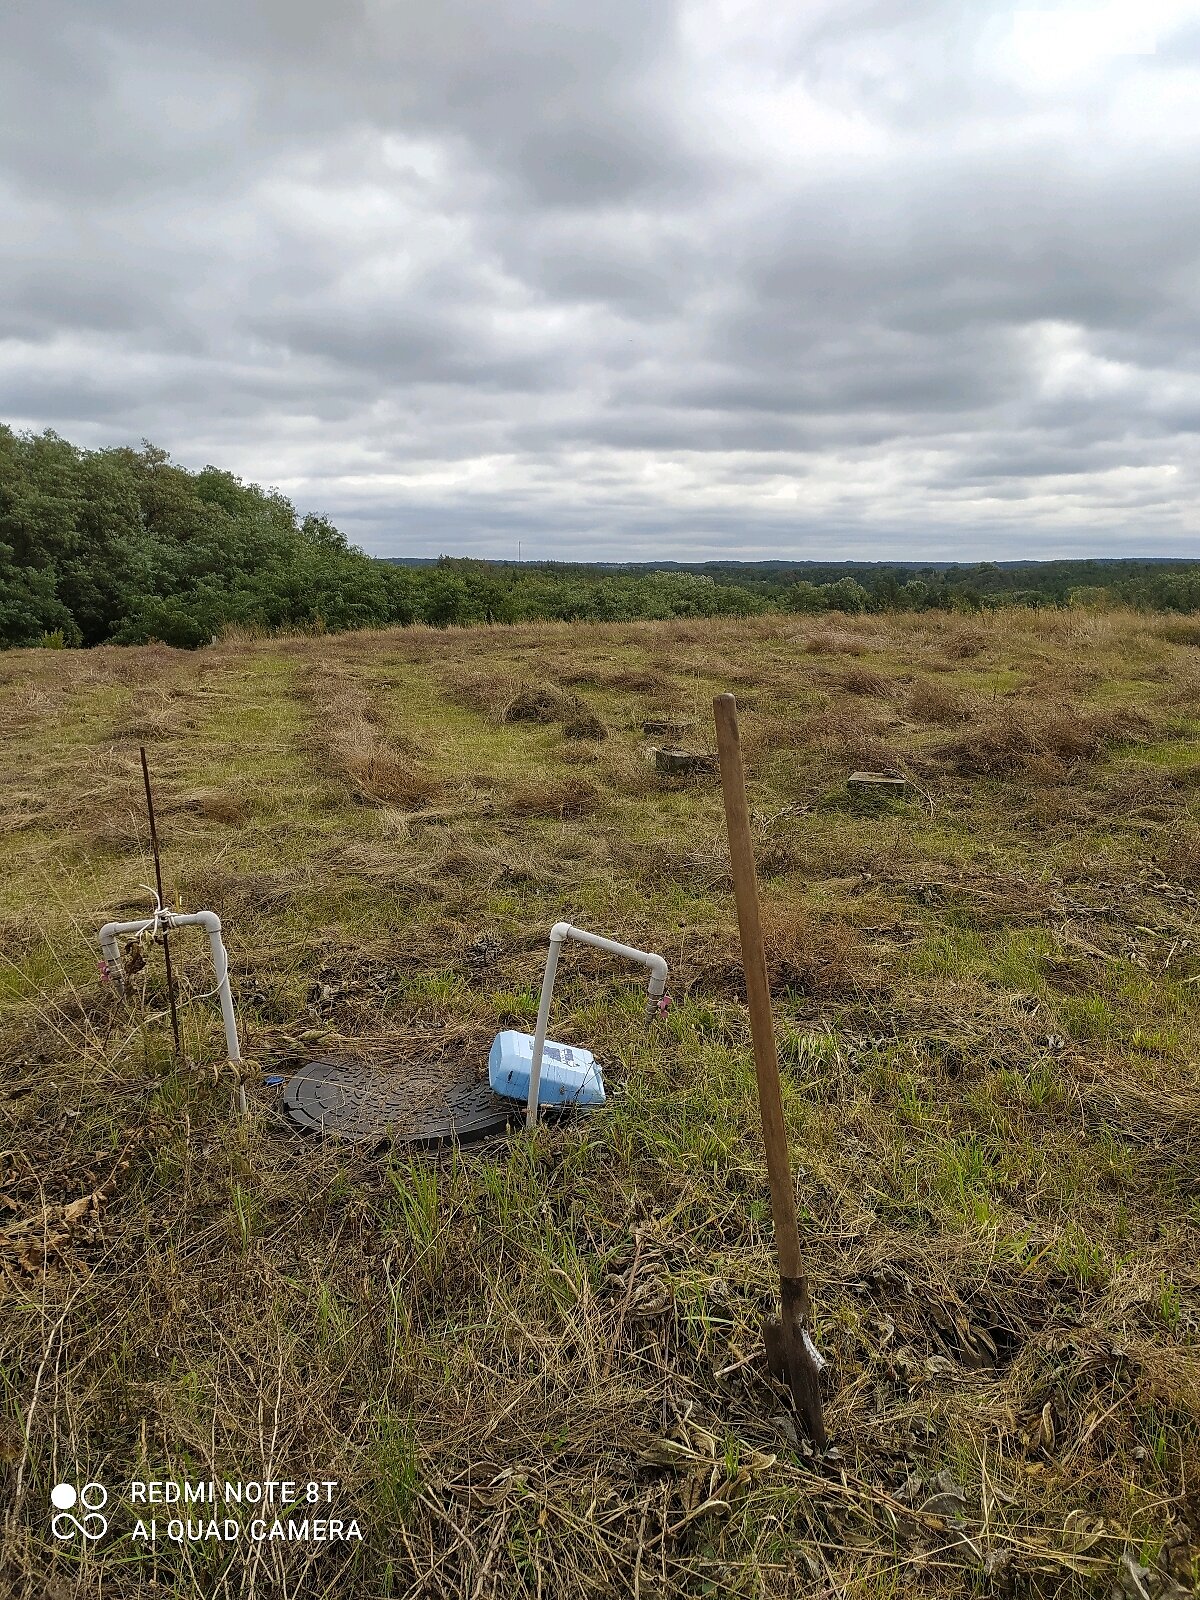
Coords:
404,1102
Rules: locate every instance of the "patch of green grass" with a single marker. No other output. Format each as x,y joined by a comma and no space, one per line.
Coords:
1016,957
395,1474
1081,1257
1169,1304
1087,1017
958,953
1037,1087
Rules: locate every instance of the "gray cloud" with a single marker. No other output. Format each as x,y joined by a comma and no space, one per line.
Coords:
688,279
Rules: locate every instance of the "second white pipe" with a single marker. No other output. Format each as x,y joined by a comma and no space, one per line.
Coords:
559,934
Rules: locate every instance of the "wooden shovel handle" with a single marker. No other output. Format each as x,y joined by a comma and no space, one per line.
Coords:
787,1336
758,992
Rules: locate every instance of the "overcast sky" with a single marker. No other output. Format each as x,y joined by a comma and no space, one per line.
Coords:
623,279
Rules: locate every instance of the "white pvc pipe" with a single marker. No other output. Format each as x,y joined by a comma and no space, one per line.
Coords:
559,934
211,923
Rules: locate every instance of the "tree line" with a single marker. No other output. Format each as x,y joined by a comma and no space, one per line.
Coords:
124,546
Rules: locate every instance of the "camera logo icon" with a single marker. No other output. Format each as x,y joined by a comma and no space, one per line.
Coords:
92,1499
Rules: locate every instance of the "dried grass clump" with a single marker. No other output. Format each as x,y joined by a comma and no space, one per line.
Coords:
965,644
450,865
642,680
1022,737
504,698
1179,632
1141,791
26,705
585,724
702,867
764,734
154,714
930,701
121,830
852,738
487,691
382,775
830,642
579,753
965,647
538,702
115,663
1181,683
627,770
243,896
831,728
621,678
571,796
861,680
380,766
821,958
22,808
1179,856
215,805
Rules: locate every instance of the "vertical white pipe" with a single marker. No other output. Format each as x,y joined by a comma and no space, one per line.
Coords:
221,963
543,1018
211,923
111,951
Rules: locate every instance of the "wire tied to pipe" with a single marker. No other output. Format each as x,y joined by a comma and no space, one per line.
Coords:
157,925
160,922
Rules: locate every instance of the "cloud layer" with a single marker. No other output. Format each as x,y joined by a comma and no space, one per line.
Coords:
857,277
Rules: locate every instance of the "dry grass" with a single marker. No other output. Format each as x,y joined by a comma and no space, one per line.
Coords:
852,738
229,805
964,643
861,680
931,701
535,1367
833,642
584,724
1036,737
505,697
1179,855
380,766
1181,632
809,958
560,797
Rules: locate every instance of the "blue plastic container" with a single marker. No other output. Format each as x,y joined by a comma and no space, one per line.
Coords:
570,1075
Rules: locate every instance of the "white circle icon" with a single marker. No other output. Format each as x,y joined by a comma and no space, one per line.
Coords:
65,1497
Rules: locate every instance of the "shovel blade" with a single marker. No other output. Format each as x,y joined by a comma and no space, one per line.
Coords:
793,1359
776,1360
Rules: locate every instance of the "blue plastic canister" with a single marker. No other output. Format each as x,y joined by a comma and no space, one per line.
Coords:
570,1075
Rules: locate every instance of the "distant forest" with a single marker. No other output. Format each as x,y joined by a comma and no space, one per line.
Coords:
123,546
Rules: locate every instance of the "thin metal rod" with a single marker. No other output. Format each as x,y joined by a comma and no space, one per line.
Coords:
158,885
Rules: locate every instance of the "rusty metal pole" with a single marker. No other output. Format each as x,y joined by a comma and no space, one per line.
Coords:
159,887
788,1350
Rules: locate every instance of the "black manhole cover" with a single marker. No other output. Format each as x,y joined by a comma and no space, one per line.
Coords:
409,1102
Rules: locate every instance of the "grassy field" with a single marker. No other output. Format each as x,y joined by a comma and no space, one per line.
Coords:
534,1367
